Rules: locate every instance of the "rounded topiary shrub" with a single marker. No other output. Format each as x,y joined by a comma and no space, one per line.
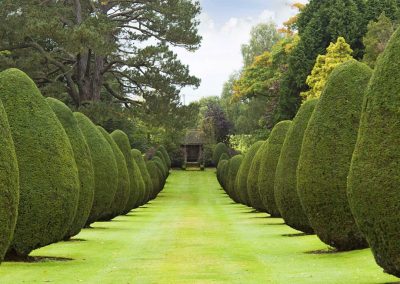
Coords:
324,162
252,181
167,158
160,164
234,166
137,156
83,161
155,178
269,161
286,196
243,173
373,181
104,166
141,189
224,156
124,145
220,148
122,179
9,184
48,175
160,155
223,165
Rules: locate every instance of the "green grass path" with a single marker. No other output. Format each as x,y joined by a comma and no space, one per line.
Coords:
194,234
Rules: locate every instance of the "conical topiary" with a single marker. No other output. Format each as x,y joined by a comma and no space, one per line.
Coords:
104,166
324,163
269,161
252,181
166,155
49,182
137,156
242,175
223,165
220,148
155,178
141,185
286,196
234,166
373,181
83,161
122,179
9,184
224,156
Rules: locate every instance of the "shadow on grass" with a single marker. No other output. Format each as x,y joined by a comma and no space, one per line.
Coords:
295,235
75,240
37,259
325,251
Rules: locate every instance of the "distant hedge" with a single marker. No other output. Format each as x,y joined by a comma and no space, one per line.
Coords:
121,196
252,181
9,183
269,161
327,149
373,182
104,165
83,161
48,175
286,196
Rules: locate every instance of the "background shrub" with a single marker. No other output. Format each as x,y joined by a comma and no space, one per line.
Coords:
373,182
269,161
104,166
48,175
324,163
220,149
83,161
286,196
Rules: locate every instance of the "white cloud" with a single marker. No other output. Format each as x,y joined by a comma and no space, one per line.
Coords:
220,53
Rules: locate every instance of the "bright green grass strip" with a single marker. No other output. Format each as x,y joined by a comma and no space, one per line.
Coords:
193,233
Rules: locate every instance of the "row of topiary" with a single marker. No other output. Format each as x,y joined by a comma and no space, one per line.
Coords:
59,172
335,169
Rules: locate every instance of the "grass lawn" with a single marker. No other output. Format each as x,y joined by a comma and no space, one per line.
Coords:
193,233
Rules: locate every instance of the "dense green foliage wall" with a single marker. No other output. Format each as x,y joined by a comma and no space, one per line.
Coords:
220,149
269,161
49,182
234,166
83,161
252,180
104,166
373,182
137,156
326,153
286,196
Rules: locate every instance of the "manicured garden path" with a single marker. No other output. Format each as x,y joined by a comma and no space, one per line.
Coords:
193,234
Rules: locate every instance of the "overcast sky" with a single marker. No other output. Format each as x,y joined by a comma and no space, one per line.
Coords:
225,26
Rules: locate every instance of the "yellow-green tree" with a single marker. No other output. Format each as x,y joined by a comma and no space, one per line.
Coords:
337,53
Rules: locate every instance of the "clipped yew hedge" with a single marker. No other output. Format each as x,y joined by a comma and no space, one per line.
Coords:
269,161
234,166
141,186
83,161
242,175
373,182
167,158
104,165
48,175
252,181
156,177
286,196
122,179
137,156
220,149
327,149
9,183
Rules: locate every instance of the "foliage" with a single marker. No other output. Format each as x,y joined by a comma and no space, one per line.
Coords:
140,189
219,149
269,161
87,49
155,176
83,161
336,54
48,175
286,196
138,157
373,180
104,166
326,153
9,183
376,38
252,181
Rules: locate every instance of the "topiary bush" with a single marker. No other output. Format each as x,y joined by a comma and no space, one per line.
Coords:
252,181
234,166
167,158
48,175
154,173
141,185
124,145
9,184
104,166
373,181
137,156
224,156
122,179
221,172
243,173
220,149
160,164
164,161
324,163
83,161
269,161
286,196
